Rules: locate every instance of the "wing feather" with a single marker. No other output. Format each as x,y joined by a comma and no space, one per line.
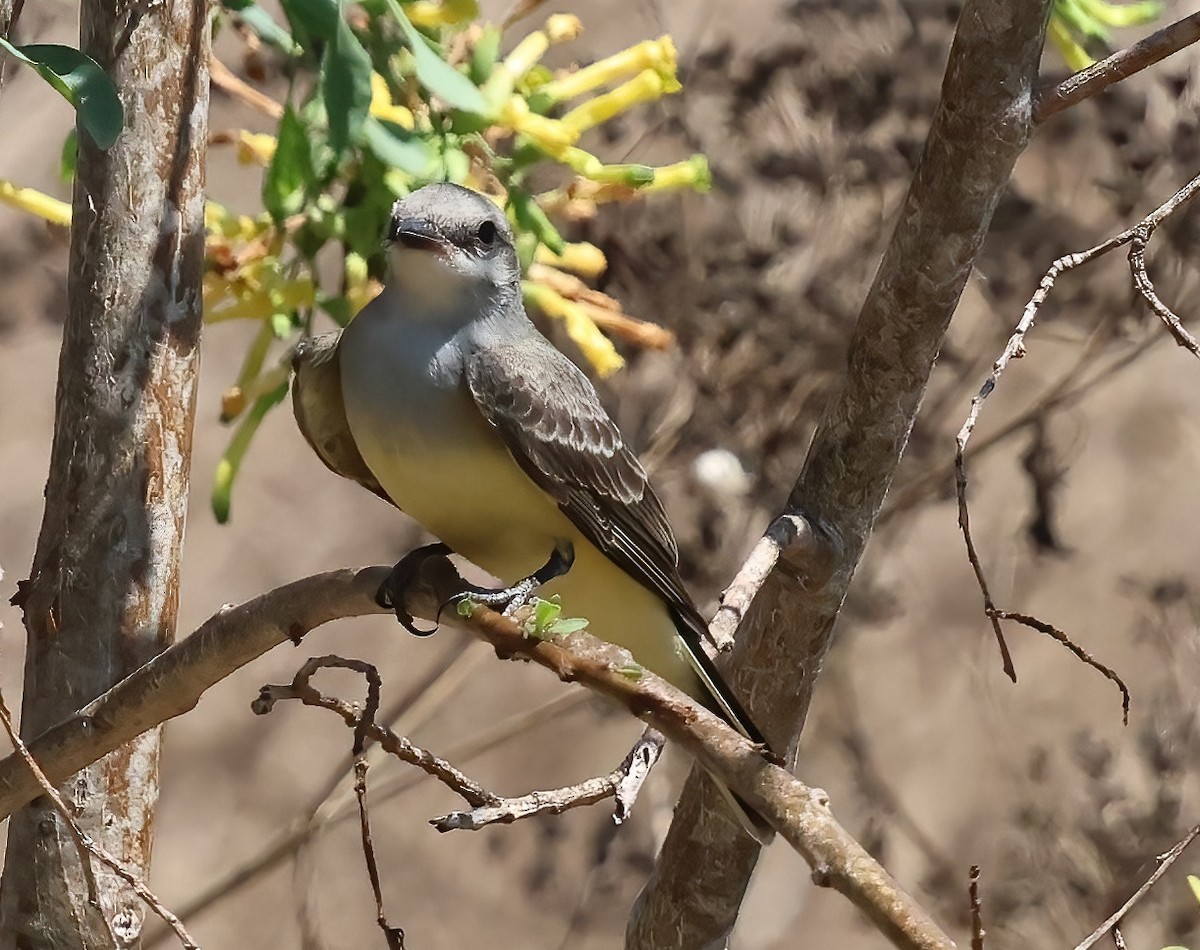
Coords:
554,425
321,413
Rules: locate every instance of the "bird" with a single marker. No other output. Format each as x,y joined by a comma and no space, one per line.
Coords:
443,398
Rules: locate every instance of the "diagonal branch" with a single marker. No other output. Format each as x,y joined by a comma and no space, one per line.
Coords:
1120,65
172,682
983,123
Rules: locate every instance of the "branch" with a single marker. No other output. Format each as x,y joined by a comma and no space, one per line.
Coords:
87,846
984,121
623,783
1164,863
1120,65
798,813
173,682
809,557
1136,237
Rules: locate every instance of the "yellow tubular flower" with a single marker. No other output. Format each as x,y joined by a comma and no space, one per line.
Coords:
548,134
382,106
646,86
690,173
34,202
428,13
255,148
563,27
526,54
658,55
581,258
595,346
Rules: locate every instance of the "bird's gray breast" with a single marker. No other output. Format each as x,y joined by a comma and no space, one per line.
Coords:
422,435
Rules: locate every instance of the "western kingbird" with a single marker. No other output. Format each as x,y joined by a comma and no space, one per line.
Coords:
443,398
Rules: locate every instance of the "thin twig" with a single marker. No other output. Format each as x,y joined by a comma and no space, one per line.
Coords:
301,689
1053,632
1141,280
299,831
623,783
1118,938
810,559
393,935
1120,65
87,845
224,78
1138,235
1164,863
977,931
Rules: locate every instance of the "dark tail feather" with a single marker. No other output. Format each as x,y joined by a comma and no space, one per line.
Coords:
724,702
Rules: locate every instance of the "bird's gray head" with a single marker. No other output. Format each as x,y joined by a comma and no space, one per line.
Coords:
448,228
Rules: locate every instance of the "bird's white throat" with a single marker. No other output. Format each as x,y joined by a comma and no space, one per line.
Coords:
430,287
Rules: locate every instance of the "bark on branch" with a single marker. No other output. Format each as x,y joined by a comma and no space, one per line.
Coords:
982,124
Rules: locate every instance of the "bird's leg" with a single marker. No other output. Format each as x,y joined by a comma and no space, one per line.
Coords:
517,596
391,592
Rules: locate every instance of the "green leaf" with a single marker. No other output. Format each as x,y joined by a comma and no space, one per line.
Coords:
69,157
312,20
532,219
231,461
285,185
346,85
80,81
485,54
1194,884
263,25
568,625
434,73
397,147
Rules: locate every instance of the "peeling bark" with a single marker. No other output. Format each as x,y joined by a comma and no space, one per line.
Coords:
103,592
983,122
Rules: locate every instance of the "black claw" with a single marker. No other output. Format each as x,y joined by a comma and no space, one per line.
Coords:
391,592
511,598
390,595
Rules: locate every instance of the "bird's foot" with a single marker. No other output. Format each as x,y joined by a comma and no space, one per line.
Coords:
513,598
391,592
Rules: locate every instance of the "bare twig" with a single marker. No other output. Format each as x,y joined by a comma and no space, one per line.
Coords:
173,682
1136,236
299,831
809,558
1118,938
225,79
1145,287
393,935
977,931
623,783
364,728
1054,633
1120,65
1164,863
87,845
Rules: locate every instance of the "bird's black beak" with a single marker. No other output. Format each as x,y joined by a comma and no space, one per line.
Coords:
417,233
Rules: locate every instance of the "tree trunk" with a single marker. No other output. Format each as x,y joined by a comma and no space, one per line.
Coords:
103,592
983,123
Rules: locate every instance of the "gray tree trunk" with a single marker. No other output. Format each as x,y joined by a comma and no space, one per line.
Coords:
103,592
983,123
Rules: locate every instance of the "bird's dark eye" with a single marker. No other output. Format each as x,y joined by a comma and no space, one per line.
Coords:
487,233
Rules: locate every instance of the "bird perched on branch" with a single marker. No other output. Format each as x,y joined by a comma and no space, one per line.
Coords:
444,399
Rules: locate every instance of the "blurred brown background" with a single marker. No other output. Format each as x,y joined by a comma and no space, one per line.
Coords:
1086,513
